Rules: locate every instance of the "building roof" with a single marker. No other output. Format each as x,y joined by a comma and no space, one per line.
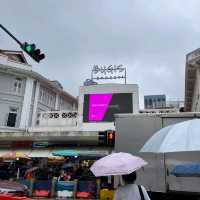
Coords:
12,66
16,56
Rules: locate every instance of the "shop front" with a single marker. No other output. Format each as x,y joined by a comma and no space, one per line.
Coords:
50,175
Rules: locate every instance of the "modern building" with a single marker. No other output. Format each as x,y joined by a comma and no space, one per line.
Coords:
154,101
192,81
25,93
99,103
178,104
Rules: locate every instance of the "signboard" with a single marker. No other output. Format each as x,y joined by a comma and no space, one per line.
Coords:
108,72
40,144
102,107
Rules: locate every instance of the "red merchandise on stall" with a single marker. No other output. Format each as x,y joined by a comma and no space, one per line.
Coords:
10,197
83,195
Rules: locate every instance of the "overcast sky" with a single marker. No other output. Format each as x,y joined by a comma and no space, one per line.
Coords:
149,37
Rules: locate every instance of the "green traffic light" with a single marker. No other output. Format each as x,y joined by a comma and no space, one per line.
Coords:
31,50
30,47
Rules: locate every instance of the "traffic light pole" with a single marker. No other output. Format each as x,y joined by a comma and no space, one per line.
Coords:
30,49
11,35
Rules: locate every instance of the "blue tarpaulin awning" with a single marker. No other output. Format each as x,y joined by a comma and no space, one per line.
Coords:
65,153
186,170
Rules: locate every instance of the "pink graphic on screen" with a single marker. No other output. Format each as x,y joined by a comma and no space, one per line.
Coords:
98,105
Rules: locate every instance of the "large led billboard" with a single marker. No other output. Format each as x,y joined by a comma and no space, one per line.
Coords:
102,107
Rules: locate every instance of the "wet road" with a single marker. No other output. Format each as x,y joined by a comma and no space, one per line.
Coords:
153,197
157,196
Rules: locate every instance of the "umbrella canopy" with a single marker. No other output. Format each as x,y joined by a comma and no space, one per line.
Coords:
184,136
65,153
117,164
15,154
31,169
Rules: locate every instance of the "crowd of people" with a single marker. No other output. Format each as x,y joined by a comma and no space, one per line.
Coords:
41,169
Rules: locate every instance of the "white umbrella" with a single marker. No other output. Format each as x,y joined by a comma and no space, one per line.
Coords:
184,136
117,164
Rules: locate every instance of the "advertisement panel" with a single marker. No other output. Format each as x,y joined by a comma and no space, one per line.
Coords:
102,107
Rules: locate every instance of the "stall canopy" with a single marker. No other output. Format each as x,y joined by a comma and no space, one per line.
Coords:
15,153
67,153
56,152
40,153
3,151
81,152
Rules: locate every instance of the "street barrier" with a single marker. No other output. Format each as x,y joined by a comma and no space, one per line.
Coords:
66,188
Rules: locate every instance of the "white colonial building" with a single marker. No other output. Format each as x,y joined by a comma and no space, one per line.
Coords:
24,93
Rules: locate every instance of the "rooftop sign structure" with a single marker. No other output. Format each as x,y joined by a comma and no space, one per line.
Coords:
110,72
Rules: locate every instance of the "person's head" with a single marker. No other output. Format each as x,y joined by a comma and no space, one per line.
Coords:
62,172
129,178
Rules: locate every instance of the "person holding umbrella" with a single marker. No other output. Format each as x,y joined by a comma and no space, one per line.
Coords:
131,191
126,165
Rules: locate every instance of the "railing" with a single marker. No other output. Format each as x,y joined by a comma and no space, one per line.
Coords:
58,118
54,188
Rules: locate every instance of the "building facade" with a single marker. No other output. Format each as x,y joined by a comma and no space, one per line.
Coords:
154,101
25,93
178,104
99,103
192,81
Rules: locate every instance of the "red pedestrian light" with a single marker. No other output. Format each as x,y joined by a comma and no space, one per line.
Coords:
110,136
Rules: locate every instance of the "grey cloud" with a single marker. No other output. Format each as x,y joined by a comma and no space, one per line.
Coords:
151,38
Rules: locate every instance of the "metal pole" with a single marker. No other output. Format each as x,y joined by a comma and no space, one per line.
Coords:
12,36
125,75
92,75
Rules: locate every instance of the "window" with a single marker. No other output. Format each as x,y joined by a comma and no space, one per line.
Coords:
40,96
12,117
146,103
61,103
47,97
17,86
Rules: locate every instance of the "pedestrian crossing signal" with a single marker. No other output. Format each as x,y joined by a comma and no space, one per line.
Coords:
110,138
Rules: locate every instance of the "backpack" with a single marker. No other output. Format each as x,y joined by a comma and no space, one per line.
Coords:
141,193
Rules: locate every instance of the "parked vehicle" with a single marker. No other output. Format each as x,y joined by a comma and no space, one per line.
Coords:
14,188
132,131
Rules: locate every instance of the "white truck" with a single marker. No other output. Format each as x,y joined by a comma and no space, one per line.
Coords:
133,130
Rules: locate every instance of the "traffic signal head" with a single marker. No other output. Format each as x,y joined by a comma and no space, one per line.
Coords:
102,138
107,138
29,47
111,138
31,50
38,55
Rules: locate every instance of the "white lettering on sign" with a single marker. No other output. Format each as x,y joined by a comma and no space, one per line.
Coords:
108,72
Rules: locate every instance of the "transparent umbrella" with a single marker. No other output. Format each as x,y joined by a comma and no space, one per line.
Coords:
184,136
